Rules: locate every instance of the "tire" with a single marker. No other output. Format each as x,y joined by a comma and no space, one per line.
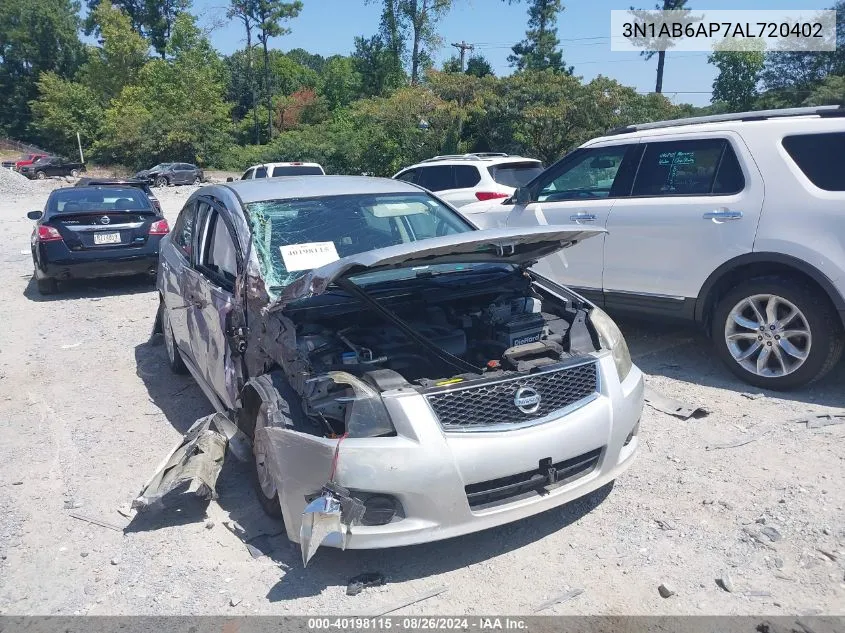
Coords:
197,181
47,286
40,175
265,484
161,181
74,173
805,338
174,360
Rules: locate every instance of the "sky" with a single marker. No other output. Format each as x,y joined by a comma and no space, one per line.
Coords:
328,27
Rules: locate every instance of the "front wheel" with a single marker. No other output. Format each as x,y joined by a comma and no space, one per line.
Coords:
161,181
777,333
197,181
40,175
265,480
74,173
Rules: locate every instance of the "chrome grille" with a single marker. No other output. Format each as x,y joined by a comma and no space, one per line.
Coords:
491,403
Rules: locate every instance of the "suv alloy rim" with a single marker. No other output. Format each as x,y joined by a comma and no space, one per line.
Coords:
768,335
265,479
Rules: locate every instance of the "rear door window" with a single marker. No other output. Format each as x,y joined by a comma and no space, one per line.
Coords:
515,174
466,176
183,231
436,178
821,157
688,168
261,172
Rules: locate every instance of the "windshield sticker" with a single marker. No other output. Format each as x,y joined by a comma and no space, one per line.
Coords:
307,256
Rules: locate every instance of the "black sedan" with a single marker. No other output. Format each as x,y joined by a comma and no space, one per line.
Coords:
90,232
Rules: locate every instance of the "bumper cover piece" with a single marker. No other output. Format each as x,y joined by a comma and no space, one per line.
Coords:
191,469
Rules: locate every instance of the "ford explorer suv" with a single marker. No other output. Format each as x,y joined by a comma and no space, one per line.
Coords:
734,222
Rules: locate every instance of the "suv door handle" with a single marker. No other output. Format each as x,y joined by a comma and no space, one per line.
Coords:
722,215
583,217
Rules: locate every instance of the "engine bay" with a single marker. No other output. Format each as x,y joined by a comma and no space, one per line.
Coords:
492,329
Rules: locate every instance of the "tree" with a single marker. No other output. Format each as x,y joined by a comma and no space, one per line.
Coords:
310,60
269,16
176,111
118,61
244,11
375,64
340,83
62,109
739,72
831,91
35,36
159,19
478,66
540,48
135,9
421,16
659,45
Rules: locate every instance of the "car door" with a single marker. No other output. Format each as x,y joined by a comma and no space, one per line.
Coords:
581,189
438,179
695,203
210,289
173,264
54,167
248,174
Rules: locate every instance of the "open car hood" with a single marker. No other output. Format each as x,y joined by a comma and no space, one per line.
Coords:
520,246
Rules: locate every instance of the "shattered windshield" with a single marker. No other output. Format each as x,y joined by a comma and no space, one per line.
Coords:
295,235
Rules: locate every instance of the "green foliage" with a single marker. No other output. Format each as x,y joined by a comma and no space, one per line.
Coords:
540,48
176,111
739,73
62,109
35,36
119,60
831,91
478,66
376,66
340,83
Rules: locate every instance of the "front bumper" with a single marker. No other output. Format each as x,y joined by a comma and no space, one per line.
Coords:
427,469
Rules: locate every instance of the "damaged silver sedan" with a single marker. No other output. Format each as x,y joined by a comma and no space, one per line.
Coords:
402,377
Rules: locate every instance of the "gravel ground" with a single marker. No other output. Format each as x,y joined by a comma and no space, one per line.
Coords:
88,408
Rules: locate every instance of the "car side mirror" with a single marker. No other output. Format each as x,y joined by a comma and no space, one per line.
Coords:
523,195
35,215
230,179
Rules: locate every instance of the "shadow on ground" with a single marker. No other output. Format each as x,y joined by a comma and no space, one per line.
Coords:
91,288
683,353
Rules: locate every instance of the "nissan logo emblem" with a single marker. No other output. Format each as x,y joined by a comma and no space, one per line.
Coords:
105,219
527,400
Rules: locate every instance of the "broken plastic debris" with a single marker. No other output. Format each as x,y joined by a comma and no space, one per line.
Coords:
363,581
320,519
671,406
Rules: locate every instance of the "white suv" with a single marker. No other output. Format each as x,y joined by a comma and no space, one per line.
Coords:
464,178
734,221
274,170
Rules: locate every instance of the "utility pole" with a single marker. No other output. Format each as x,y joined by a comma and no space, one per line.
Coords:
463,47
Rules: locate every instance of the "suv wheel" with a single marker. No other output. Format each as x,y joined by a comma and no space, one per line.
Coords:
74,173
161,181
265,482
40,175
174,360
777,333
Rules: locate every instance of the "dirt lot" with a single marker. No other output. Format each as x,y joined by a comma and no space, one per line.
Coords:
88,408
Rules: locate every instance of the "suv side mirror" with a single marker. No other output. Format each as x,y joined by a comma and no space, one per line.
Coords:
523,195
35,215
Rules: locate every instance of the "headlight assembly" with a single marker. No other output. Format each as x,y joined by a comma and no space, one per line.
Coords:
610,337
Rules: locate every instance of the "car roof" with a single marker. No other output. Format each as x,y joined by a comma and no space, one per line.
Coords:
288,164
111,182
473,159
314,186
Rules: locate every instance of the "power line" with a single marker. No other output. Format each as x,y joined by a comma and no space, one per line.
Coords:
463,47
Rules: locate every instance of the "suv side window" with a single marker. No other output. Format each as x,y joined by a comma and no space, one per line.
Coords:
183,231
688,168
590,174
821,157
248,174
409,176
436,177
261,172
466,176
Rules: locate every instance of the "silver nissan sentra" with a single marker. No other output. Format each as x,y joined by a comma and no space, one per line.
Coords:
400,376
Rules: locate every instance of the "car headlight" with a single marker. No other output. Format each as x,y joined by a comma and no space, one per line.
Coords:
610,337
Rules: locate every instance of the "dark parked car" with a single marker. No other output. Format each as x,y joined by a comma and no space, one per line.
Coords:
89,232
117,182
51,166
165,174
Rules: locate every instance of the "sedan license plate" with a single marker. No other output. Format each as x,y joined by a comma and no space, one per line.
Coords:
106,238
